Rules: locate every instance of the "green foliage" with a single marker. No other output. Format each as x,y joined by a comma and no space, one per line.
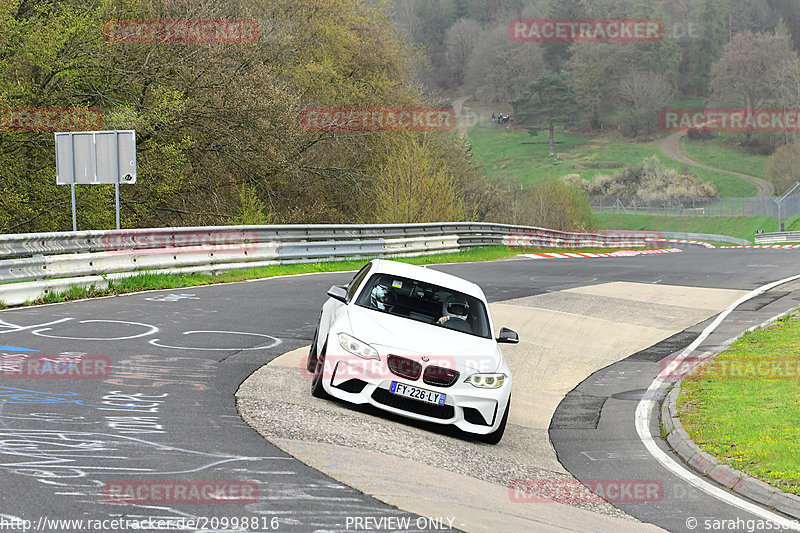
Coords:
209,118
783,167
552,204
414,186
549,101
252,211
745,76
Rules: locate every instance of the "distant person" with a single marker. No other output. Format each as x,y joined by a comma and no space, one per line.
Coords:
493,118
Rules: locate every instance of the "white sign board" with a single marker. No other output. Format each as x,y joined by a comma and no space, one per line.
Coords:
95,157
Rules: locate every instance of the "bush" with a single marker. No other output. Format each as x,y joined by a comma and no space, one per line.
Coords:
552,204
783,167
650,180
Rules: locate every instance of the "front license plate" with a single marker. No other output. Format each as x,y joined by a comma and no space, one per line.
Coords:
417,393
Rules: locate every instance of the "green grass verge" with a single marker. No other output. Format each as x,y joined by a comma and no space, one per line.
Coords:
718,153
741,227
747,415
500,153
150,281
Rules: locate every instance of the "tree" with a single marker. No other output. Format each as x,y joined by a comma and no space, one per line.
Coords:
549,101
706,48
459,42
745,75
211,120
783,167
788,89
556,53
499,68
595,71
414,186
644,94
554,204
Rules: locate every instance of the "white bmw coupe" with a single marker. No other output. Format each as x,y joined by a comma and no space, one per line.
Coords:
415,342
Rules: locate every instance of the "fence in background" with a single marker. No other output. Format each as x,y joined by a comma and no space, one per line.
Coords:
696,207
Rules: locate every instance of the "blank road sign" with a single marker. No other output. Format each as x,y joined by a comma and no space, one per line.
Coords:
95,157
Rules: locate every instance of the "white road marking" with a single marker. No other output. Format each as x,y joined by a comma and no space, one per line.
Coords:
275,341
646,406
151,331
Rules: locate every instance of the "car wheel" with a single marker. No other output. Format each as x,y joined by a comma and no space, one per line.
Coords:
495,436
311,362
317,390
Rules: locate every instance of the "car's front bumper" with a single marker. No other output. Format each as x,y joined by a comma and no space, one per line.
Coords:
467,407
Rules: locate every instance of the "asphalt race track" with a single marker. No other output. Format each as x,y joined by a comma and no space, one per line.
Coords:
167,410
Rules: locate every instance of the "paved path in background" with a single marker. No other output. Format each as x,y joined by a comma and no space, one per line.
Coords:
671,147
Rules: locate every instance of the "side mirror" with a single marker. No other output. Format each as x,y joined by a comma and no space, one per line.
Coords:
338,293
508,336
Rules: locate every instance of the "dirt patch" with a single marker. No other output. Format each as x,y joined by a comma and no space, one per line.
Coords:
589,146
510,159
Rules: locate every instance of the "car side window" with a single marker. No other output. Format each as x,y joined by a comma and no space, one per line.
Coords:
353,286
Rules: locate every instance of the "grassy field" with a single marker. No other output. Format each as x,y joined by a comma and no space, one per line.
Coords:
145,282
741,227
746,414
501,153
720,153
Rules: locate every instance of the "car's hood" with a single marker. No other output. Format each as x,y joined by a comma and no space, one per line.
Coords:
390,334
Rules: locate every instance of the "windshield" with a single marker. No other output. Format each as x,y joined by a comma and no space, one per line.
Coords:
424,302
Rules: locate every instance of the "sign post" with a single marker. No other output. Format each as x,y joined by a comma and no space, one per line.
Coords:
95,157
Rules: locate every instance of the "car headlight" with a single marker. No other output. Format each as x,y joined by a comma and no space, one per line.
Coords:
357,347
486,381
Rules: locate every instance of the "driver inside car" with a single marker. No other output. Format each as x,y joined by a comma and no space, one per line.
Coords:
454,308
382,297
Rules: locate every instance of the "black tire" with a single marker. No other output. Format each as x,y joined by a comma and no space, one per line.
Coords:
317,390
311,361
495,436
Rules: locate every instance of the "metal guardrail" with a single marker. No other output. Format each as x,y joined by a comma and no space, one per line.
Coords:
39,256
777,237
46,262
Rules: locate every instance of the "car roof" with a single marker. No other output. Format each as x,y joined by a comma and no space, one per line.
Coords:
427,275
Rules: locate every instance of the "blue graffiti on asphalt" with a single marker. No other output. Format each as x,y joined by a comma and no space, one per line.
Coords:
16,349
24,396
